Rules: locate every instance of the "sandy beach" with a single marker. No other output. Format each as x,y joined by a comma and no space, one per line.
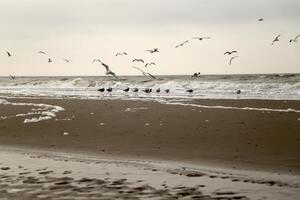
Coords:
234,142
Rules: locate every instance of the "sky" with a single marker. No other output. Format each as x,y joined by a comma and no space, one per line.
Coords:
83,30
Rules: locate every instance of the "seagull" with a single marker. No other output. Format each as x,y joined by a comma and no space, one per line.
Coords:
135,90
101,90
230,52
181,44
276,39
167,90
49,60
138,60
260,19
154,50
67,60
147,90
201,38
8,54
190,90
41,52
158,90
108,71
145,73
12,77
109,89
231,59
126,90
149,64
295,39
121,54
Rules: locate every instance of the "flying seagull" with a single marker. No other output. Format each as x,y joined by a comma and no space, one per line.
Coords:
201,38
42,52
108,71
276,39
49,60
121,54
260,19
149,64
154,50
231,59
181,44
295,39
230,52
145,73
67,60
12,77
8,54
138,60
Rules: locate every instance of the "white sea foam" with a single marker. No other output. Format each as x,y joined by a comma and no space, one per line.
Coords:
44,111
218,87
135,109
231,107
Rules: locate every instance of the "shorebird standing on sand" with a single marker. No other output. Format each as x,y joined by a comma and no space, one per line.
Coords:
49,60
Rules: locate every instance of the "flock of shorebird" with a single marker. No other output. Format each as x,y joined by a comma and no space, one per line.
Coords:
232,54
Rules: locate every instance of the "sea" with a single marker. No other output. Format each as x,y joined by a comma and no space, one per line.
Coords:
257,86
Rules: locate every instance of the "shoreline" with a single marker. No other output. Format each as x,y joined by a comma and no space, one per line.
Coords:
156,132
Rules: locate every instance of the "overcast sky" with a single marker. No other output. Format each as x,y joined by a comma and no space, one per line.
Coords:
83,30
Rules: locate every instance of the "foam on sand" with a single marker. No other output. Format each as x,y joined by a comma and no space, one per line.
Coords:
45,111
230,107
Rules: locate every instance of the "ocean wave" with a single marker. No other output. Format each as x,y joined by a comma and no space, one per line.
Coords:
286,86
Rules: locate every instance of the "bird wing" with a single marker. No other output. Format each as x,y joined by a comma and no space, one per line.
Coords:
145,73
106,67
227,52
231,59
8,53
296,38
125,53
118,54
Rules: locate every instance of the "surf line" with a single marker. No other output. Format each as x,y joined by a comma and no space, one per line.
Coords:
45,111
232,108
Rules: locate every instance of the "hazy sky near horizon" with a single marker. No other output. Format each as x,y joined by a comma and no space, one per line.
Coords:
84,30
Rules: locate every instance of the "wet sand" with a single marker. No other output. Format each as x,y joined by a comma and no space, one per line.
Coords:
28,174
236,139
